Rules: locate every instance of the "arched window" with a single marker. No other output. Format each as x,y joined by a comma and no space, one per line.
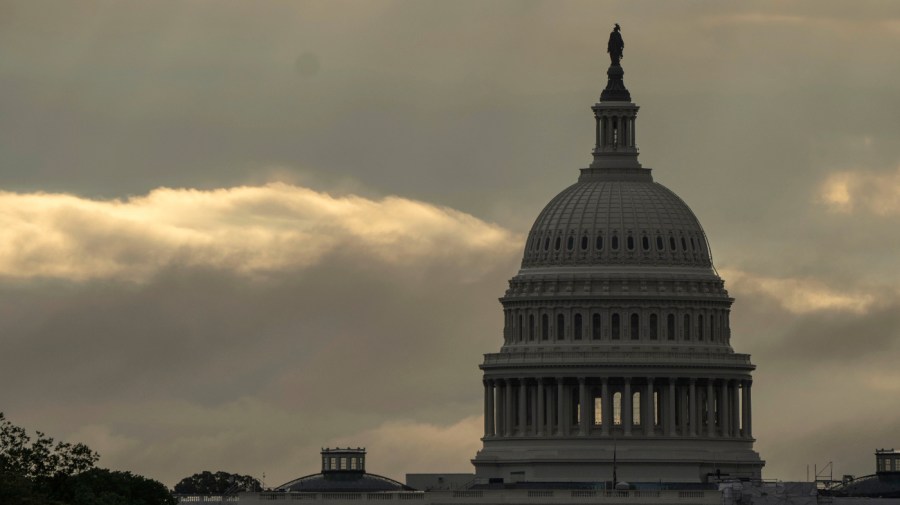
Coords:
616,327
560,327
630,243
599,243
598,411
584,243
659,243
547,244
683,244
672,243
577,327
545,327
700,327
615,242
595,327
645,243
531,327
617,408
557,243
687,327
654,327
693,244
570,243
670,327
635,327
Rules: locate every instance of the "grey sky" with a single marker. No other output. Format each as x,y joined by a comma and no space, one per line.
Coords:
244,329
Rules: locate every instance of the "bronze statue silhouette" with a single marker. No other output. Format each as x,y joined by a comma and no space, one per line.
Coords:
615,46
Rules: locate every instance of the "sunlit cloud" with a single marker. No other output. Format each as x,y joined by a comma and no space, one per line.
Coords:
247,229
851,191
800,295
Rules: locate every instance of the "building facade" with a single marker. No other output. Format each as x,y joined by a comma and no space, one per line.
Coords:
616,342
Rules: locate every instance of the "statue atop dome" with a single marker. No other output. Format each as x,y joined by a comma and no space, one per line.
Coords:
615,46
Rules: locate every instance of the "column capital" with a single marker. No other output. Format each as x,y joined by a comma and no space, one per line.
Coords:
627,380
747,382
540,381
582,380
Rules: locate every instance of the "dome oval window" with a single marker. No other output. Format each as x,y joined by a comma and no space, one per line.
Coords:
645,243
615,242
547,244
672,243
584,243
659,243
557,244
570,243
630,243
599,243
683,244
693,244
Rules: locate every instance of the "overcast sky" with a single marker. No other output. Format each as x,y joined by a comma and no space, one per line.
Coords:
232,233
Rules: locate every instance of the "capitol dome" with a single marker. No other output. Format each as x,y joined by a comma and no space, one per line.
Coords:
617,353
603,219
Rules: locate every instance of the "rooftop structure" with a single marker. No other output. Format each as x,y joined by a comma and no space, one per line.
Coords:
616,361
343,470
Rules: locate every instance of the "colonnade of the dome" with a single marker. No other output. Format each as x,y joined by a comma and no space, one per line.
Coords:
617,406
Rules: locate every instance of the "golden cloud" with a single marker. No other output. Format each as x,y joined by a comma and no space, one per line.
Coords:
801,295
247,229
849,191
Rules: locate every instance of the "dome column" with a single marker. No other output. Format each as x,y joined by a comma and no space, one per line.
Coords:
523,402
693,406
583,428
540,418
748,414
723,407
508,413
710,409
670,408
735,410
627,409
562,424
605,407
488,408
649,412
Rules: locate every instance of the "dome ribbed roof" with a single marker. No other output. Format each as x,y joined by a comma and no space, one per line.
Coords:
600,221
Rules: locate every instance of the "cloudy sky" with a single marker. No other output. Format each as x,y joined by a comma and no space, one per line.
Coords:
234,232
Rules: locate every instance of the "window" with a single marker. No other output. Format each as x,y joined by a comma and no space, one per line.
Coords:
577,327
635,327
547,244
333,463
353,463
531,327
693,244
645,243
636,409
615,242
700,327
672,243
659,243
615,327
595,327
630,243
584,243
670,327
570,243
599,244
683,244
545,327
617,409
343,463
687,327
598,411
654,327
557,243
560,327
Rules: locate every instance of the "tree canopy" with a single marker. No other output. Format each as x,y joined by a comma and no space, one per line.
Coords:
217,483
41,472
